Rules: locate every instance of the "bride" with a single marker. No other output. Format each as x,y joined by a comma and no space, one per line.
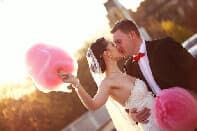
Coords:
129,91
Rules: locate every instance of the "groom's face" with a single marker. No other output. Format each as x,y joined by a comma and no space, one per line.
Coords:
123,42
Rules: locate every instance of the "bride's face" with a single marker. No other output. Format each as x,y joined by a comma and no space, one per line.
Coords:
113,51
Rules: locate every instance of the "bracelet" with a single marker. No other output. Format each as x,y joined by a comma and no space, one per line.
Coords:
77,84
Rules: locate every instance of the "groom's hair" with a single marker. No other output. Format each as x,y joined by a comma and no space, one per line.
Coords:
98,48
125,26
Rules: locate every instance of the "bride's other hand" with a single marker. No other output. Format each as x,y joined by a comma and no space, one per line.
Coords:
141,116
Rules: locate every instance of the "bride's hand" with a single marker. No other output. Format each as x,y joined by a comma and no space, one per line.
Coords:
68,77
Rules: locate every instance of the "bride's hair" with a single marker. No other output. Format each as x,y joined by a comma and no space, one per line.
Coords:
98,48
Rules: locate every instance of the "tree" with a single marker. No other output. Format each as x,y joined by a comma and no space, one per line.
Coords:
176,31
157,15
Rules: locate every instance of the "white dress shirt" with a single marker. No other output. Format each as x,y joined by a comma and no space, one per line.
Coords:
145,69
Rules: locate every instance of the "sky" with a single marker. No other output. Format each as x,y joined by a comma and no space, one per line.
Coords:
63,23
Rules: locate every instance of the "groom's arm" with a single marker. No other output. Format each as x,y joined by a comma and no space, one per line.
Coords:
185,65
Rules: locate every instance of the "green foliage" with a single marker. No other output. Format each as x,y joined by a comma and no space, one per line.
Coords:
167,18
176,31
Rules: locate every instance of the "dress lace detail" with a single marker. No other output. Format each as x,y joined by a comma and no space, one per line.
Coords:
140,97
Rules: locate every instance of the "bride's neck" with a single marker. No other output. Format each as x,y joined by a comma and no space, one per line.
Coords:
111,67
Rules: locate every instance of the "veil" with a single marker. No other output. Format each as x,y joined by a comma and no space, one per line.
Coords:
94,67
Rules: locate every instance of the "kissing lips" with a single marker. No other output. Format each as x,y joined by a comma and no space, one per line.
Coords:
121,51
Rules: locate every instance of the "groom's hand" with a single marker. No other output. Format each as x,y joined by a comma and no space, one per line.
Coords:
140,116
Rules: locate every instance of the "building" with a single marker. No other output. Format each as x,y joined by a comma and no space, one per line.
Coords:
117,12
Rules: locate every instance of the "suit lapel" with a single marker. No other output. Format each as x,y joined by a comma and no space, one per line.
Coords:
151,54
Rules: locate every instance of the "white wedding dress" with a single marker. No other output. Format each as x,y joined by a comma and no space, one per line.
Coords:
140,98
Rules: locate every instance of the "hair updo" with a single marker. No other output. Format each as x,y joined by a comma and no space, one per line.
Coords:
98,48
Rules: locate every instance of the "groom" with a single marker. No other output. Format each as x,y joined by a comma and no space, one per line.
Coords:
161,63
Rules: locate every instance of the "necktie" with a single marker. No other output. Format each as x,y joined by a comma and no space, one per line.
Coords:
137,57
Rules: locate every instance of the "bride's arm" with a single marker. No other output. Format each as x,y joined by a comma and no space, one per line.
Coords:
93,103
90,103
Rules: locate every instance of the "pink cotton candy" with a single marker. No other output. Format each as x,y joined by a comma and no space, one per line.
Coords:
175,109
44,61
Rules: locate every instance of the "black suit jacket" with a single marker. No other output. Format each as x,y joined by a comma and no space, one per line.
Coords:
170,63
